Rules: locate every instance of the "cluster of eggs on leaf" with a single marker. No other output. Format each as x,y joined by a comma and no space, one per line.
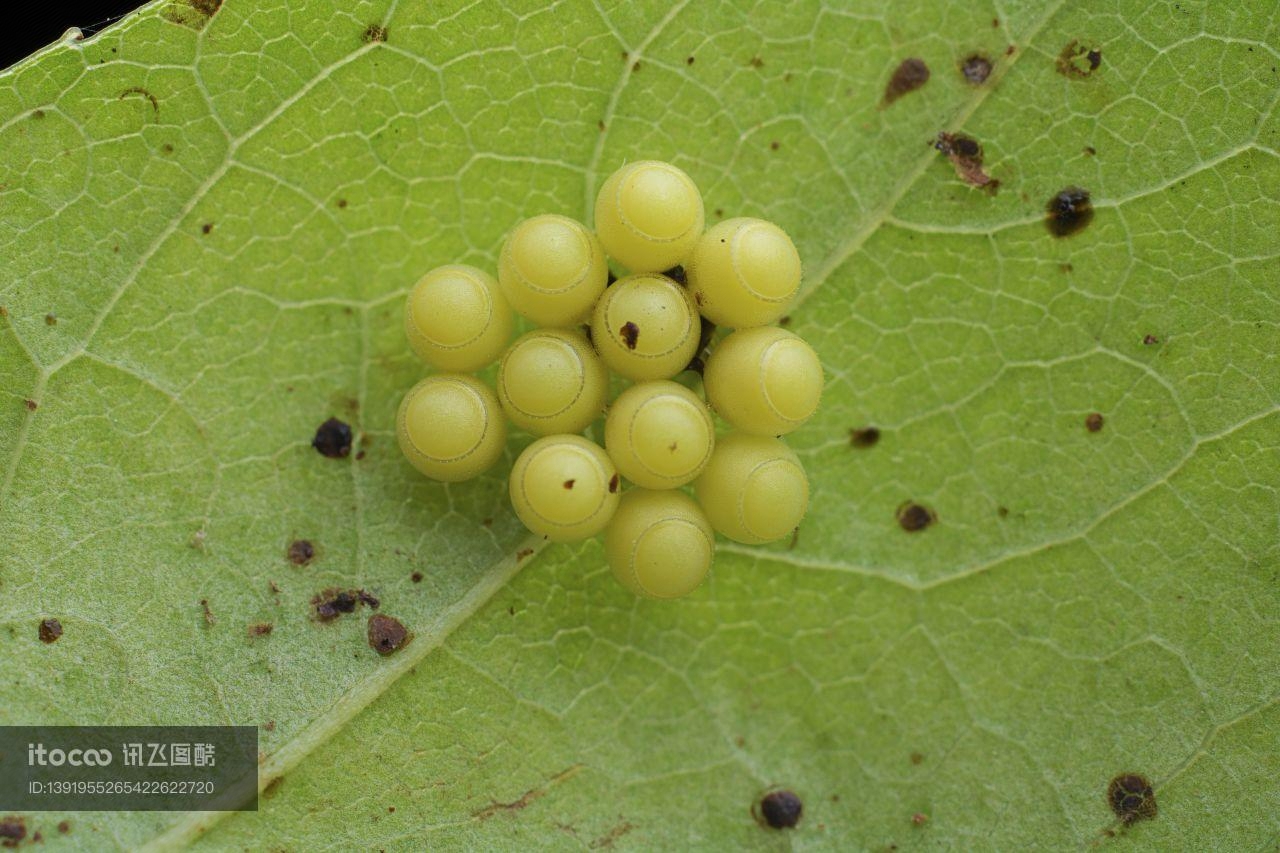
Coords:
648,327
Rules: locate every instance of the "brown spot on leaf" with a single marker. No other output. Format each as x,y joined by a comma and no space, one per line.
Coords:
1149,340
528,797
917,757
387,635
911,74
1078,61
913,516
31,405
778,809
12,830
965,155
261,629
416,577
863,437
488,522
333,439
606,841
64,826
51,319
523,553
331,603
138,90
784,321
374,34
975,68
775,145
272,788
688,60
613,484
301,552
206,228
1068,212
635,67
1131,798
919,819
630,334
1090,151
209,618
568,484
37,114
756,62
1093,421
50,630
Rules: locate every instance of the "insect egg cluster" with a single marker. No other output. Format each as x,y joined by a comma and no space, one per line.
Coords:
687,286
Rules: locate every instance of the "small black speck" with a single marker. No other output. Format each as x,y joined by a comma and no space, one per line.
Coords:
913,516
1093,423
206,228
863,437
1068,212
333,439
781,809
1132,798
688,61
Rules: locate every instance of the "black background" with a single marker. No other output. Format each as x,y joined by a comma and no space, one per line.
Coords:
26,30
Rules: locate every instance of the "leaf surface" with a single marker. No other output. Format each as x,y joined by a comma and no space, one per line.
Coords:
208,223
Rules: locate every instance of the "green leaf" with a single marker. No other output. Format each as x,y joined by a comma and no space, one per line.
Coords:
209,217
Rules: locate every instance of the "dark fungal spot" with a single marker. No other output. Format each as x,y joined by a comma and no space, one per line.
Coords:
913,516
1093,421
1068,212
301,552
600,124
864,437
784,321
12,830
329,604
1148,340
775,145
630,334
568,484
167,148
780,809
387,635
360,455
416,577
523,553
64,826
911,74
209,618
374,34
975,68
756,62
50,630
1131,798
1002,511
688,60
613,484
917,757
1090,151
272,788
635,67
333,439
965,155
678,275
206,228
51,319
919,819
261,629
31,405
1077,61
